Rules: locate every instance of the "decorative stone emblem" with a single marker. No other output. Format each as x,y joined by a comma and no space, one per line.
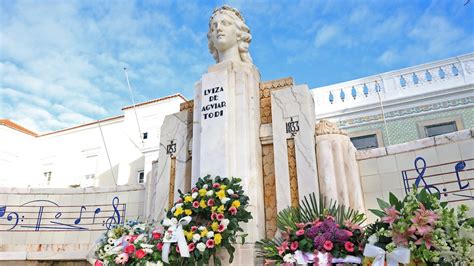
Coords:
325,127
292,126
171,148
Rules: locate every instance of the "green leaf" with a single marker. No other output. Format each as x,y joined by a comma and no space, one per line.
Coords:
393,199
383,204
378,213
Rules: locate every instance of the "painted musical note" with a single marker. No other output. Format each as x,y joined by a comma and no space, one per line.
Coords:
460,167
10,217
95,213
112,220
3,209
78,220
421,173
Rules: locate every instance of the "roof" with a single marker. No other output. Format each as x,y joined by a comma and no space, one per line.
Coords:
177,95
13,125
83,125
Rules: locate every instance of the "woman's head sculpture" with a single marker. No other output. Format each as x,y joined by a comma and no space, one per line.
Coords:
229,37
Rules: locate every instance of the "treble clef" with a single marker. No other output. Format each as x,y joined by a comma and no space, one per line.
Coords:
421,173
112,220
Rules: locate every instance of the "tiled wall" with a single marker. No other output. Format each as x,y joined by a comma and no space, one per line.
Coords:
404,129
47,241
381,169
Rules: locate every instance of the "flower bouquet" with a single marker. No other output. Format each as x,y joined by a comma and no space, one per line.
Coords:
324,234
133,243
420,229
205,220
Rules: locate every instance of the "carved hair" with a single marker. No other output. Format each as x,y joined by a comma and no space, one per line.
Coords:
325,127
243,34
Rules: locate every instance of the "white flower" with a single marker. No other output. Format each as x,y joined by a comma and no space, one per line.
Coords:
140,237
201,228
148,250
174,220
110,233
289,258
209,193
205,186
210,234
110,241
194,195
225,222
224,200
107,248
201,246
196,238
230,191
146,245
373,239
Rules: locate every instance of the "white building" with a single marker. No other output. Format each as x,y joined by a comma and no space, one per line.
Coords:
117,150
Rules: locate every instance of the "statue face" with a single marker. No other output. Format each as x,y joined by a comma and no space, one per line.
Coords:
223,32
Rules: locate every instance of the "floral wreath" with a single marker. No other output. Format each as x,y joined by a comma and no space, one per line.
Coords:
205,220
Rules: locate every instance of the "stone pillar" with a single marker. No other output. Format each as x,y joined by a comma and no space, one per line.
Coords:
337,166
226,140
174,161
293,118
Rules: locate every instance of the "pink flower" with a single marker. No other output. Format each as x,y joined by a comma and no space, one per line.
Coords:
139,254
233,210
179,200
194,228
300,225
221,228
216,185
129,249
159,246
328,245
317,223
294,245
195,204
177,249
191,247
349,233
213,216
122,258
210,202
132,238
300,232
392,215
98,263
349,246
426,239
352,226
210,243
156,235
195,189
220,216
281,249
127,238
424,220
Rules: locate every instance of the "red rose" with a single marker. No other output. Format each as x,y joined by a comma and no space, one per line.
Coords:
328,245
132,238
191,247
139,254
220,216
349,246
210,202
156,235
98,263
216,185
129,249
159,246
294,245
210,243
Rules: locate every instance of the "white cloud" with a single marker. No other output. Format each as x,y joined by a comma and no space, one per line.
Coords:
389,57
326,34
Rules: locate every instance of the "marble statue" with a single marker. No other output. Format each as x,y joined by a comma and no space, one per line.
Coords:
229,37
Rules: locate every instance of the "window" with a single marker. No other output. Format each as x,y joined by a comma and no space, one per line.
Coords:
440,129
365,142
141,177
47,177
145,135
439,126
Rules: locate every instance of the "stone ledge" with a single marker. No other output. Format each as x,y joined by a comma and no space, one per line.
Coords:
13,255
65,255
416,144
66,191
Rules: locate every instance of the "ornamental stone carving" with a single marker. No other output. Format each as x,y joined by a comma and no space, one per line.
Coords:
325,127
228,36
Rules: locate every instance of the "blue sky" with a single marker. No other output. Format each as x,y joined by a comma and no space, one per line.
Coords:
61,62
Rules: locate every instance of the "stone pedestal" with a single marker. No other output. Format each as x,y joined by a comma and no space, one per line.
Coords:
226,133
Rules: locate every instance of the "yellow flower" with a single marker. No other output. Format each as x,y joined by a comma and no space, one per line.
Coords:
188,199
223,187
215,226
217,238
220,194
221,209
188,212
214,208
202,203
178,211
204,232
189,235
202,192
236,203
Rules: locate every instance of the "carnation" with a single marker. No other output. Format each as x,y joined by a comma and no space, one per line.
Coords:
201,246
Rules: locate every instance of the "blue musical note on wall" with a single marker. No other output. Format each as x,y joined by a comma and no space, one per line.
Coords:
78,220
420,177
458,168
111,221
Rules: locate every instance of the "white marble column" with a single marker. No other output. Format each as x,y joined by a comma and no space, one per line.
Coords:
293,117
226,140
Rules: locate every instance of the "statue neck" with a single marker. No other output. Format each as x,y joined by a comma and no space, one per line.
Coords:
231,54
